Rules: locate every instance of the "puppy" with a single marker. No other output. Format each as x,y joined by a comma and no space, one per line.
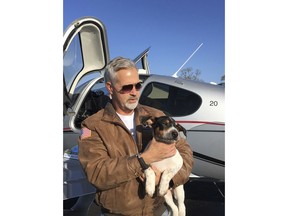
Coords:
166,130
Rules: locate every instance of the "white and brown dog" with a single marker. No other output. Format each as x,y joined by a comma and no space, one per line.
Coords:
166,130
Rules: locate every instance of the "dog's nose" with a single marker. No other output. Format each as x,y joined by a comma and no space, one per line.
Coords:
174,134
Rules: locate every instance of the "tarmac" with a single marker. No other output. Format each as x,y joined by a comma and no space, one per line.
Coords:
202,198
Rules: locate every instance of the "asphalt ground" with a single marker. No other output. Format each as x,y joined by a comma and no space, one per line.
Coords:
205,198
202,198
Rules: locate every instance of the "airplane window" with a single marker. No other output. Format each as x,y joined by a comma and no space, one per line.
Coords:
173,101
72,61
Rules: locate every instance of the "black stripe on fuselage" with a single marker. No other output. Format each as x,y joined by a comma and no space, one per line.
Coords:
208,159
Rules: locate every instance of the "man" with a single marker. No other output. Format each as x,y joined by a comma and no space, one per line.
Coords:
111,143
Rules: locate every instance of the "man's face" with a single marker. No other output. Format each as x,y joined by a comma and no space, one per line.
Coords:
125,91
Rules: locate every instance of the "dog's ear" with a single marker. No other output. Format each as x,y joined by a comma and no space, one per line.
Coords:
147,120
181,128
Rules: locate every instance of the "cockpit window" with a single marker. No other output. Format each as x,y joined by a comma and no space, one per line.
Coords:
173,101
72,62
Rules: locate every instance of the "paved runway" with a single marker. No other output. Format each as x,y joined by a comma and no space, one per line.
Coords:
202,198
205,198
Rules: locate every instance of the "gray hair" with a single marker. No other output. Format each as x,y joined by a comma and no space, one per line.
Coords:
115,65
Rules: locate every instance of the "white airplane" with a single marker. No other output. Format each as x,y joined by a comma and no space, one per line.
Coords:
197,106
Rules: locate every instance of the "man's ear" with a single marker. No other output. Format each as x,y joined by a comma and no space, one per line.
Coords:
109,87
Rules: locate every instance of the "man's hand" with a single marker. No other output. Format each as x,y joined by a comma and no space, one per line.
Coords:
157,151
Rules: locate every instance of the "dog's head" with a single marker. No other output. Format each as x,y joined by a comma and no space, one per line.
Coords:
165,129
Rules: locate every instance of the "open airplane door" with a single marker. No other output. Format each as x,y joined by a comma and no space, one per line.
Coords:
85,50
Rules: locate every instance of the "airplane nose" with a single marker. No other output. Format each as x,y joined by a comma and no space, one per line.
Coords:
174,134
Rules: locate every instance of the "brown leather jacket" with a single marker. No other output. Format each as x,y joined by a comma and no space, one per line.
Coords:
107,155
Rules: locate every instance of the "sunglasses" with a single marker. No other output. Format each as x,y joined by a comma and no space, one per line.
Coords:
128,88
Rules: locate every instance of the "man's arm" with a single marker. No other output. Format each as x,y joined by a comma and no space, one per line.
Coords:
186,152
103,171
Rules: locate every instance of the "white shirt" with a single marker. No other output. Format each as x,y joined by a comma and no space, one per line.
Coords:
129,123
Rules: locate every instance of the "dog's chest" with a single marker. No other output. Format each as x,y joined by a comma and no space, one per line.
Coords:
174,162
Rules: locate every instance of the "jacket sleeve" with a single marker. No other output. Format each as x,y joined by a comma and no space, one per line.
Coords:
103,171
187,154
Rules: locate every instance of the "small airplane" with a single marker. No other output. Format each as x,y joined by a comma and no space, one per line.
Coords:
197,106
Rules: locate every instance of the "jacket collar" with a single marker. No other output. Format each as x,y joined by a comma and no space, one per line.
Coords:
110,115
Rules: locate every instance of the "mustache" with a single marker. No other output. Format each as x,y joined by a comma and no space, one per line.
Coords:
133,97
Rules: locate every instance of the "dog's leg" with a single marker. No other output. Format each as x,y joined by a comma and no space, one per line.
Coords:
179,195
174,165
150,181
169,200
167,175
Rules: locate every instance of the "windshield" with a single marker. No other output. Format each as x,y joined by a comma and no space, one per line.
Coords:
72,62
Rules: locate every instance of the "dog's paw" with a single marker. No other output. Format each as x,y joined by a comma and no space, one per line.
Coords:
150,191
150,181
163,191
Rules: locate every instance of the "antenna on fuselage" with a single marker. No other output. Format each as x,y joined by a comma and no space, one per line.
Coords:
175,74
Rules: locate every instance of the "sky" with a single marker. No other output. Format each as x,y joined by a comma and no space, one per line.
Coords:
173,29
